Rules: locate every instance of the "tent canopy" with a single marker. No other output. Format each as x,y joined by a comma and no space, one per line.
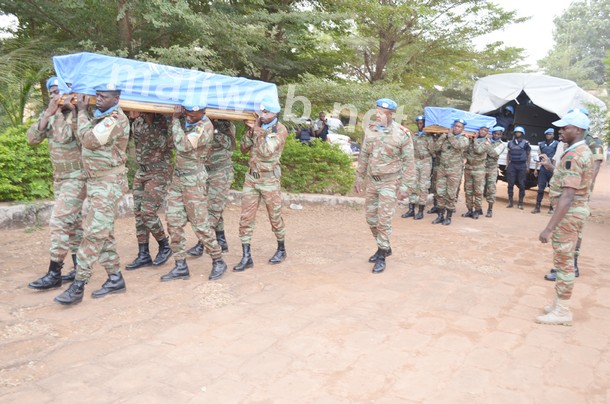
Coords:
549,93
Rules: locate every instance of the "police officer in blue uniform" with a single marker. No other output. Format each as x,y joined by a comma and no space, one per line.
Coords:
548,148
517,165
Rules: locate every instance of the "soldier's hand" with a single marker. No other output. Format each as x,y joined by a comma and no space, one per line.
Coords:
401,195
358,185
250,124
67,103
53,105
545,236
178,111
82,102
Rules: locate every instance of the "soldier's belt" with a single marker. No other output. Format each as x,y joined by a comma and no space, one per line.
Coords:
160,165
106,173
218,165
71,166
381,177
182,173
262,174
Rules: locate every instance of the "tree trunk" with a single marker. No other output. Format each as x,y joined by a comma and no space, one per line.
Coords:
125,27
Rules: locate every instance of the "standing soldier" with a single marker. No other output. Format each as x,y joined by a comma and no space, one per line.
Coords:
517,165
187,198
423,146
491,167
548,148
265,142
386,166
570,190
57,125
450,147
104,153
153,152
219,165
474,173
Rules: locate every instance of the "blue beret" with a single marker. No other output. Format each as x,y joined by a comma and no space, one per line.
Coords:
510,108
549,130
519,129
192,106
271,105
419,118
386,103
52,81
497,128
462,121
107,87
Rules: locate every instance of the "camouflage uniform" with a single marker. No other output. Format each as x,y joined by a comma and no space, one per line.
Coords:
491,170
263,180
423,148
474,172
104,140
573,171
68,182
187,197
386,162
153,152
450,167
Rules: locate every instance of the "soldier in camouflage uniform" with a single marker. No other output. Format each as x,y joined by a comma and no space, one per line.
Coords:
57,125
265,142
423,148
570,190
491,167
450,147
153,152
474,173
104,153
386,166
219,165
187,197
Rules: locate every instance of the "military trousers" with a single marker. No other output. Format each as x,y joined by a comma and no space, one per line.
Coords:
447,185
267,189
187,202
219,183
149,192
66,219
544,178
423,172
99,244
474,184
491,179
380,204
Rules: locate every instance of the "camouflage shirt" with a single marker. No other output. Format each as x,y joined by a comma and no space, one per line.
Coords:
223,144
152,141
476,153
64,148
423,146
388,151
596,146
495,149
192,144
104,139
265,151
450,149
575,170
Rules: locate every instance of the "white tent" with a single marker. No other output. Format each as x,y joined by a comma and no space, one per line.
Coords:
549,93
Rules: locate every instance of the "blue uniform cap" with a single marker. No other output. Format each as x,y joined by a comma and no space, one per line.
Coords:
497,129
583,110
386,103
271,105
192,106
419,118
519,129
52,81
462,121
575,118
107,87
549,130
510,108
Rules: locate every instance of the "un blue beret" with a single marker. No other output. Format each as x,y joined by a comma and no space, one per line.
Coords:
462,121
193,106
386,103
497,128
419,118
52,81
549,130
271,105
107,87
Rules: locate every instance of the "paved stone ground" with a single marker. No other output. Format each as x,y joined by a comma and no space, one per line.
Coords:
451,320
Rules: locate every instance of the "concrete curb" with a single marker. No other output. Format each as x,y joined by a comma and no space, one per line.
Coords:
34,214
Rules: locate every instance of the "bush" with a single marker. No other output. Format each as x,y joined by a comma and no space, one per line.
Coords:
25,171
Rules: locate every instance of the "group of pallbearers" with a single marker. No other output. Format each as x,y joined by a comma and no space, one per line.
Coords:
395,165
89,153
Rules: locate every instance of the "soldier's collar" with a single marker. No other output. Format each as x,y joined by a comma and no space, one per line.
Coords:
99,113
270,124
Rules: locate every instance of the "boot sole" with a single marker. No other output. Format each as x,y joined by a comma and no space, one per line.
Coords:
68,303
566,323
113,292
43,289
184,278
242,270
194,255
139,266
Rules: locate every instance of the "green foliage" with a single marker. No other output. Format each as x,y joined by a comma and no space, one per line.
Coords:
25,171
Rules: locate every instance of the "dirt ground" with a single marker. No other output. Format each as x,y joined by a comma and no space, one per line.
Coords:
451,319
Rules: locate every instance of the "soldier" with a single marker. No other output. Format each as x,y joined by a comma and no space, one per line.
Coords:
386,166
104,153
187,198
548,148
450,147
570,190
153,152
265,142
491,167
517,165
474,173
57,125
423,147
219,165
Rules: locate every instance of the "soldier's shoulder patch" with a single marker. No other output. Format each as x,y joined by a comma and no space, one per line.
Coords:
103,129
570,155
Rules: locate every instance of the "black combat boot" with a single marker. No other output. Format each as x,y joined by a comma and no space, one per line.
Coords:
537,208
280,254
476,213
180,271
142,260
410,212
52,279
440,217
219,267
72,274
467,214
551,276
420,212
447,220
434,208
490,210
510,203
520,204
246,260
196,250
373,257
164,253
379,266
551,210
72,295
222,241
114,284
